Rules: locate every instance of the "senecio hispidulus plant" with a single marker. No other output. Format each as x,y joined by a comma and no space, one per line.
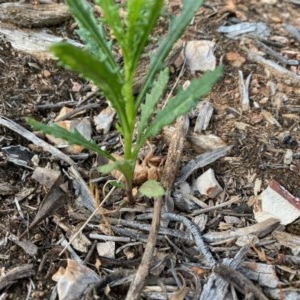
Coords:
138,118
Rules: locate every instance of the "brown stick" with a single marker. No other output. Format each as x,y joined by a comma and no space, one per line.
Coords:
142,272
168,178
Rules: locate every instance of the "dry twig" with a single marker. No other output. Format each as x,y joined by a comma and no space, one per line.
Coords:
168,178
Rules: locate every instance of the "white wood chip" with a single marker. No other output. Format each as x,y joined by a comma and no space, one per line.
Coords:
288,240
279,203
106,249
208,185
199,55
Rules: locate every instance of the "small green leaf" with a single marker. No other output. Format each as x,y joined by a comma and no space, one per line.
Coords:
87,65
107,168
148,107
176,29
106,79
94,33
141,19
122,165
181,103
152,189
112,18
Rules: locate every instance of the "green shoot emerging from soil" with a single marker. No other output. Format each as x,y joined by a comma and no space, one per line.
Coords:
138,119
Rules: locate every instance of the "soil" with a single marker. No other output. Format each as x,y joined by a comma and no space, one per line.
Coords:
257,154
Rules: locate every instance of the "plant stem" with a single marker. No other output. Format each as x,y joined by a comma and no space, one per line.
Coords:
129,195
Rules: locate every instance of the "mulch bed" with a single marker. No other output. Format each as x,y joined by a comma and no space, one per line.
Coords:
207,247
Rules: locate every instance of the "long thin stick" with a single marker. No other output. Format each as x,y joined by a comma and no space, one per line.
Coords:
143,270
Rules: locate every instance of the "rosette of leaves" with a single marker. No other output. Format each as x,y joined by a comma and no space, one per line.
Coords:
138,119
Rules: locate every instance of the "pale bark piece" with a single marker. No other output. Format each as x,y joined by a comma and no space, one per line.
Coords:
257,186
277,70
36,43
104,119
234,31
288,240
216,287
269,1
201,161
288,157
277,202
30,248
201,221
199,142
18,155
264,274
205,142
80,242
208,185
260,229
269,117
291,29
282,293
200,56
15,274
249,239
74,280
205,112
27,15
6,188
106,249
53,200
46,176
240,282
244,90
85,196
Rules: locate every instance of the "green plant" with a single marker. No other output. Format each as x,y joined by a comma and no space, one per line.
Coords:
138,119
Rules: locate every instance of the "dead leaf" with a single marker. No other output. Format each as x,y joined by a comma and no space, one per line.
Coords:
74,280
148,169
200,272
235,59
179,295
54,199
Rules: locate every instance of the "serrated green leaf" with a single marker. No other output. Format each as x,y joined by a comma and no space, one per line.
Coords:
84,63
112,18
182,102
152,189
72,137
152,98
84,16
90,45
176,29
142,16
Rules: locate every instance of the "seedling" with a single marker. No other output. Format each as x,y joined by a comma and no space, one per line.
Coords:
138,118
